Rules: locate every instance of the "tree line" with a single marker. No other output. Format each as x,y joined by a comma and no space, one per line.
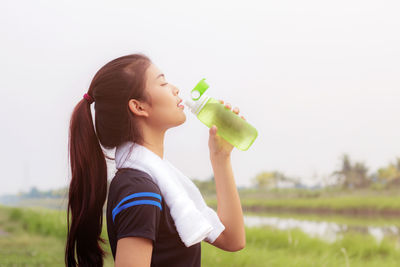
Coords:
350,175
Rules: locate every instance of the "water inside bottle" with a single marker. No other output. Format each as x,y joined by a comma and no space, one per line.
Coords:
231,126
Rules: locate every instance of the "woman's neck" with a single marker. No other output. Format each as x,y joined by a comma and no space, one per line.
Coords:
154,140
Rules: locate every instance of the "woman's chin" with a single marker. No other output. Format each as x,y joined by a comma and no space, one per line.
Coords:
180,119
183,118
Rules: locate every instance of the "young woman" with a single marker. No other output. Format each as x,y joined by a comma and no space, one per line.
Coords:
134,102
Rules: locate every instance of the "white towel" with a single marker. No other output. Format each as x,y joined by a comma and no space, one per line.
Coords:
194,220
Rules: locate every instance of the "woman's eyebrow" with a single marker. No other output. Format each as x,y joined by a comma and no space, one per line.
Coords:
160,76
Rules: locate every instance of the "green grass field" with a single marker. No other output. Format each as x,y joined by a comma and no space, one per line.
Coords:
268,247
36,237
334,201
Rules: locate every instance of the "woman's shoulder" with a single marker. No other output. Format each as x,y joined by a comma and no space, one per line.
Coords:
132,181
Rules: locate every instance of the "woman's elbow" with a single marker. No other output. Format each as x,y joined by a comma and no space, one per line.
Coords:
240,246
236,246
229,243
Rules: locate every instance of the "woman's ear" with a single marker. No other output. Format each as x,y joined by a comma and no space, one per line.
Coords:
138,108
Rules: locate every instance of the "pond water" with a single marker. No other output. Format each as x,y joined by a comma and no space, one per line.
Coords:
328,231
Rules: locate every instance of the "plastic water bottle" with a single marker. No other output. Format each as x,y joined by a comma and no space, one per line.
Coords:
210,111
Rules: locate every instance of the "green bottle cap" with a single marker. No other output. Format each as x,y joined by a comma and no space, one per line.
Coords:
199,89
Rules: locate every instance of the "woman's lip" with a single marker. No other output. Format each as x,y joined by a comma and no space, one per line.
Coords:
181,106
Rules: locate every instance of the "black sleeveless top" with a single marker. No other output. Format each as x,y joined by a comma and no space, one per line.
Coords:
136,207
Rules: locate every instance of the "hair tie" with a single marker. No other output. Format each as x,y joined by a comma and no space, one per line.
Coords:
88,98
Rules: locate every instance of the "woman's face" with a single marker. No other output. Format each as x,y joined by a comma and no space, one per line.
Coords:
164,112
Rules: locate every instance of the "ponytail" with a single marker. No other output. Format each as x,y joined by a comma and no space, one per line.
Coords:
87,191
112,87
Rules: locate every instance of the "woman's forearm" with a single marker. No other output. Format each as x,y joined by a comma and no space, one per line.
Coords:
229,208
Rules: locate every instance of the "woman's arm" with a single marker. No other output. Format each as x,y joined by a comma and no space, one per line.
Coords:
133,252
229,209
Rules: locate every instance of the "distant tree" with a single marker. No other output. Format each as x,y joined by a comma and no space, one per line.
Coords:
206,187
33,193
390,174
265,180
60,192
359,177
352,175
270,179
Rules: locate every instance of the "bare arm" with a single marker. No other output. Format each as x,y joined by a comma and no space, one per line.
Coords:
133,252
229,209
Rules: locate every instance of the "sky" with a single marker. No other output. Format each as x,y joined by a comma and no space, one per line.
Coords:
317,79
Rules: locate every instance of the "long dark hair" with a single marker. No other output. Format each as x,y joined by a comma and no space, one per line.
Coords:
111,88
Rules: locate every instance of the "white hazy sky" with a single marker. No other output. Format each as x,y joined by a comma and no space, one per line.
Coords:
316,78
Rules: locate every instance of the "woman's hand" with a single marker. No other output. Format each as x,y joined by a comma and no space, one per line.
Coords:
218,146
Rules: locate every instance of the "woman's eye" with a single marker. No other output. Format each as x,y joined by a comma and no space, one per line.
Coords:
164,84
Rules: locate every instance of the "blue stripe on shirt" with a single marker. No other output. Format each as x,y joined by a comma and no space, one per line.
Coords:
135,203
119,208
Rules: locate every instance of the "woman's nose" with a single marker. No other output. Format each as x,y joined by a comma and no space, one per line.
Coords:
176,89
